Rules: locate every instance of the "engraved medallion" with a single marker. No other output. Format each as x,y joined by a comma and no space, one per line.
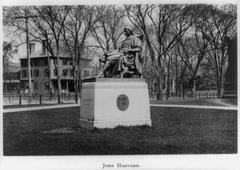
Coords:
122,102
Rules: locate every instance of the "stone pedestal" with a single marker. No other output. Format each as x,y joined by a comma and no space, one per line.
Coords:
108,103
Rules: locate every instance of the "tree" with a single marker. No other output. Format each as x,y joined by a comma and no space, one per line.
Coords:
52,19
179,69
217,26
13,15
167,26
76,30
192,51
45,23
8,51
223,26
109,26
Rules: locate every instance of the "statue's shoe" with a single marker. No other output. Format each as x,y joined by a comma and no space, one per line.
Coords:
99,76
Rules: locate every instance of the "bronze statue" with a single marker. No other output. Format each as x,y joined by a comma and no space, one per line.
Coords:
125,61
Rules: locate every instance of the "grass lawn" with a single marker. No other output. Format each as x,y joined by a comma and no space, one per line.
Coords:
173,131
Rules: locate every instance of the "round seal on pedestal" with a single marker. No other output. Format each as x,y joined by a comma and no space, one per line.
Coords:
122,102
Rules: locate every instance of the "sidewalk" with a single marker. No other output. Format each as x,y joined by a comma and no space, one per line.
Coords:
153,105
196,106
40,108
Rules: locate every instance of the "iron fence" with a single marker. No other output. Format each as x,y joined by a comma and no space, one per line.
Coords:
20,99
197,95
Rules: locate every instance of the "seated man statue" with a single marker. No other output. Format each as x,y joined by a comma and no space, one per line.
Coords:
124,57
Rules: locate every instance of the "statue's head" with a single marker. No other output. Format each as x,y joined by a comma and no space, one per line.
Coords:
127,32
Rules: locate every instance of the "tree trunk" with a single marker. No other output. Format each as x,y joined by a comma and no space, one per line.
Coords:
80,83
58,76
168,82
182,91
160,88
50,91
168,86
219,87
176,77
75,84
176,86
219,84
194,88
191,92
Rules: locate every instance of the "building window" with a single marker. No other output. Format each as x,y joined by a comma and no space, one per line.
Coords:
24,63
65,72
36,73
46,85
24,73
44,62
55,72
46,72
36,86
71,72
64,61
70,62
34,62
32,47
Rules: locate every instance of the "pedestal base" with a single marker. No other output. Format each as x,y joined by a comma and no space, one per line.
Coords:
108,103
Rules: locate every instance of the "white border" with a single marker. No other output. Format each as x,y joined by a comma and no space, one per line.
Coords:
93,2
162,162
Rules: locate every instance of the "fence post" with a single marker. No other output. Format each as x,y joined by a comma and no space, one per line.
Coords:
20,99
40,99
76,98
59,96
